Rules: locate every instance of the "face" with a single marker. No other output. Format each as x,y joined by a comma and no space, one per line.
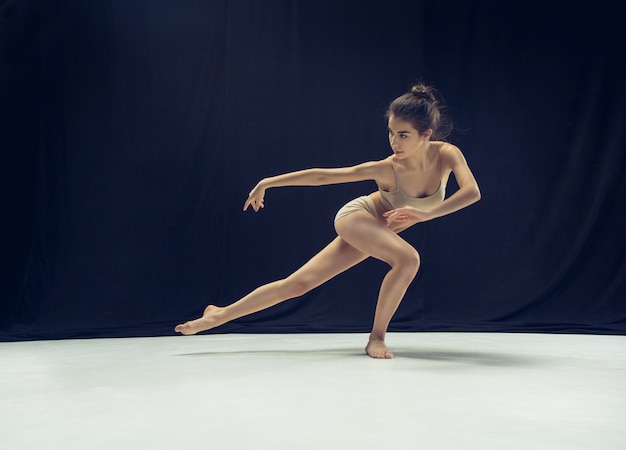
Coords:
403,138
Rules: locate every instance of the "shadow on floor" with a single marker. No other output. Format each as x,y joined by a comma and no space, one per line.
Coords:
458,357
473,358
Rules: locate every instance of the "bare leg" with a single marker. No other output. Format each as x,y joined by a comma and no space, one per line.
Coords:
367,234
335,258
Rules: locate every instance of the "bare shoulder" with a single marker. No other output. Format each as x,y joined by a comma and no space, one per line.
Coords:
384,171
379,170
451,155
449,150
374,167
453,160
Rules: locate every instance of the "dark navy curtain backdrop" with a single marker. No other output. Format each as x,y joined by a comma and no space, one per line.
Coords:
132,132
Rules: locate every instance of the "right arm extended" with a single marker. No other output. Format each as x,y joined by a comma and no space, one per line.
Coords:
313,177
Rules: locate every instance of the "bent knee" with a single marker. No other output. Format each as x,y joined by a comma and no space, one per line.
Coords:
408,261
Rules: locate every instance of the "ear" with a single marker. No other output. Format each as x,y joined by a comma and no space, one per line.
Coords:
427,134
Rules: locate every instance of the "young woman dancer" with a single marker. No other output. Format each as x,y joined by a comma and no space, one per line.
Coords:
411,189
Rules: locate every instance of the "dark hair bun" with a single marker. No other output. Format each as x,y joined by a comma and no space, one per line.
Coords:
424,92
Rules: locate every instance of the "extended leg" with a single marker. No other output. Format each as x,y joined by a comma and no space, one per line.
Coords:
335,258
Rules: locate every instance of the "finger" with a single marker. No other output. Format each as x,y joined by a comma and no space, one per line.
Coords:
391,219
393,211
251,202
397,218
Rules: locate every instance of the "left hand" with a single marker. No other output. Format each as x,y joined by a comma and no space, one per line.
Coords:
408,214
255,198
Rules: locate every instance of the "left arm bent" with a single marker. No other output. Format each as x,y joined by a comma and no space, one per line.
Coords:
467,194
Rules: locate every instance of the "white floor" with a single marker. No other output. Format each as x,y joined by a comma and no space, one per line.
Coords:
442,391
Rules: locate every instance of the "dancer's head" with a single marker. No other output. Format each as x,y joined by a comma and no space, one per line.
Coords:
421,108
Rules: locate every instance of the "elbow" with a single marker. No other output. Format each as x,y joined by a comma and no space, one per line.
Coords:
470,191
475,193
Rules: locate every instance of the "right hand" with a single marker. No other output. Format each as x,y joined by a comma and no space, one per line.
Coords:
255,199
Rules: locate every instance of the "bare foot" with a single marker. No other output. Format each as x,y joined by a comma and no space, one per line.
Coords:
210,319
376,348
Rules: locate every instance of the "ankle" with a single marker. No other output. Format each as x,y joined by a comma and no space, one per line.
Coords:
223,314
377,337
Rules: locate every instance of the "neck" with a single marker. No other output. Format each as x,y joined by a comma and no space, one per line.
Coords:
422,158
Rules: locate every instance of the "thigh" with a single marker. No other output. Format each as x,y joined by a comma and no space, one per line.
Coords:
367,234
335,258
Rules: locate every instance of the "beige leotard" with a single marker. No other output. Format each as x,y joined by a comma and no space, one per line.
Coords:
398,199
393,199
